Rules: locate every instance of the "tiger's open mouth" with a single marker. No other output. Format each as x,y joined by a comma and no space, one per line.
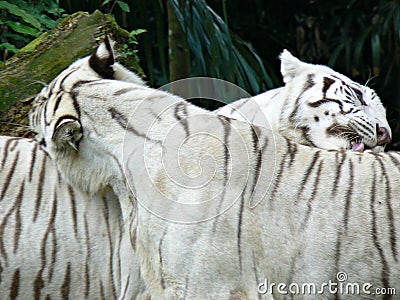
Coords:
358,146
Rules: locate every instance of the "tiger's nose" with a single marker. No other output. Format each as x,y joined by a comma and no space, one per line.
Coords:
383,135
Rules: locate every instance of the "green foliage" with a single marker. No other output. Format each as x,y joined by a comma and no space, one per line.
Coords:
216,51
21,21
123,5
129,49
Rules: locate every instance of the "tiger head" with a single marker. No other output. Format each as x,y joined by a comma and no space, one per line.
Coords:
325,109
100,65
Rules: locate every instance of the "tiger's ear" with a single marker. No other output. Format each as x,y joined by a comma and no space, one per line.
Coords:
67,134
102,59
290,66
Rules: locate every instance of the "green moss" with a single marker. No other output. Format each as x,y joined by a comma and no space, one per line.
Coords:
32,45
44,58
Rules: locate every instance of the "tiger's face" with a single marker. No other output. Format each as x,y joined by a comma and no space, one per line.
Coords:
328,110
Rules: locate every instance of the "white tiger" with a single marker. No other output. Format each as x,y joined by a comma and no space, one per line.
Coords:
324,212
318,107
56,241
76,217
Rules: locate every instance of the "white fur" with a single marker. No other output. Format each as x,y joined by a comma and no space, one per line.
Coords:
304,230
87,232
273,109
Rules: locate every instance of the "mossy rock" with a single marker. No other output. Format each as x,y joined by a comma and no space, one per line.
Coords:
24,75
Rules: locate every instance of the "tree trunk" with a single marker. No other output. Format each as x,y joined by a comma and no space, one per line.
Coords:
24,75
179,54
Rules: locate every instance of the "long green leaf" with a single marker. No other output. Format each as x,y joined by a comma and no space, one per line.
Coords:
215,51
15,10
20,28
376,48
9,47
124,6
359,46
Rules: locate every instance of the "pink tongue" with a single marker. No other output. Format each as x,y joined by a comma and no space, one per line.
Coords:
358,147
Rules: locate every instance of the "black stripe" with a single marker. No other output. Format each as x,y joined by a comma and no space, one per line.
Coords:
385,266
307,175
33,160
305,132
390,215
123,122
44,113
73,209
15,285
76,104
110,244
98,133
258,152
9,176
308,84
66,284
292,150
292,266
348,197
313,194
338,173
181,108
14,144
17,226
5,152
395,161
361,127
123,91
87,258
279,173
39,190
326,100
327,84
18,223
39,282
58,100
359,96
53,240
102,294
239,232
256,273
226,123
61,79
79,83
125,289
161,259
227,133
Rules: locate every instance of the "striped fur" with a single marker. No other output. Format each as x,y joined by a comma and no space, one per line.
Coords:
318,107
55,241
215,205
